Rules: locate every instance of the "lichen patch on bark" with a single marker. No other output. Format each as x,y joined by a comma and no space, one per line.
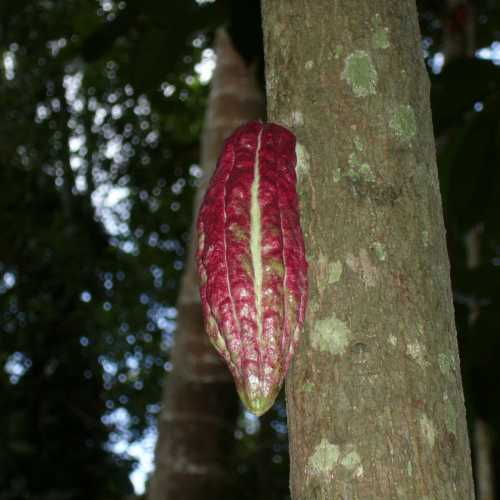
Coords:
446,363
360,73
324,458
358,144
363,266
313,307
331,335
297,118
309,387
379,250
303,161
428,430
451,416
352,462
404,123
416,352
425,238
359,170
337,175
327,456
380,33
334,272
331,270
409,468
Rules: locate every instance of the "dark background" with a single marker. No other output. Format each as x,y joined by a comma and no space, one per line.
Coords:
101,115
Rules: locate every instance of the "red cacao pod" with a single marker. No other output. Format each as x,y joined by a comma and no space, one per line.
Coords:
251,260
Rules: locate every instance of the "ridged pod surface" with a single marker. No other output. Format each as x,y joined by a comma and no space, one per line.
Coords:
251,260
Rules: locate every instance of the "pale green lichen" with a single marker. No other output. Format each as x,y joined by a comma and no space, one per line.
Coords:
409,468
380,33
425,238
393,340
451,416
303,161
324,458
308,387
358,144
379,250
416,352
331,335
360,73
351,461
309,65
334,271
359,170
428,430
337,175
338,51
404,122
297,118
327,456
446,363
313,307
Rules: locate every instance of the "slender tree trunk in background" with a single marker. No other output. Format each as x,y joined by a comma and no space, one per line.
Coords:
375,401
200,404
459,30
483,444
482,439
459,41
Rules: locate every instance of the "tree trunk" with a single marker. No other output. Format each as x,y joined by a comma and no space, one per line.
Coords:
200,404
459,30
375,402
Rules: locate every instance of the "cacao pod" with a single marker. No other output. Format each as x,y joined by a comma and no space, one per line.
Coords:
251,260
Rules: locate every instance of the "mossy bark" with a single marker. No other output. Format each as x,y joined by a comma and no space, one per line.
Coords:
374,396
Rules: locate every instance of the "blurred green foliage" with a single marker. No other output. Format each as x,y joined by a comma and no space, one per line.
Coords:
102,108
97,176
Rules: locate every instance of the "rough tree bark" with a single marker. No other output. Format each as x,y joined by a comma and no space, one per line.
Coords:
200,404
375,402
